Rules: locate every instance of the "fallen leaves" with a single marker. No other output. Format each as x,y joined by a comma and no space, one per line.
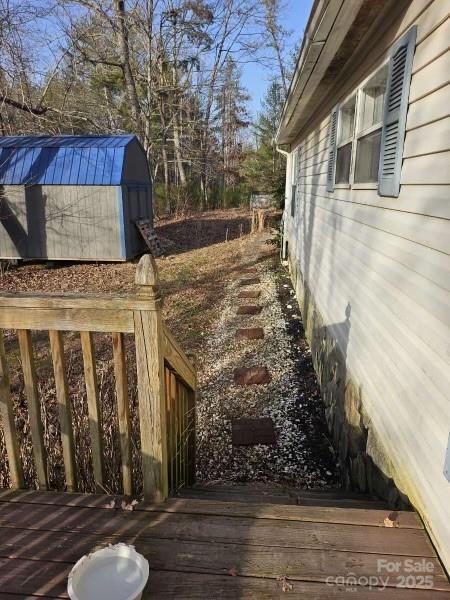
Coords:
286,585
123,504
391,520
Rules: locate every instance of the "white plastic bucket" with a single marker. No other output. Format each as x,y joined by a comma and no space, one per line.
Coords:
117,572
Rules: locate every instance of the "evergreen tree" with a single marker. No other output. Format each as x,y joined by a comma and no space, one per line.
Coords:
264,167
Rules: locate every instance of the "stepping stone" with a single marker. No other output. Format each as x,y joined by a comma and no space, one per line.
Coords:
250,333
250,281
249,294
251,375
248,432
249,309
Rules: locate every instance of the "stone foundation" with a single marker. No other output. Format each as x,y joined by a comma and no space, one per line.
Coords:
365,466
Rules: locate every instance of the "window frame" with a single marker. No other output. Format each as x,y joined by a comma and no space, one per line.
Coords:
358,93
350,140
365,185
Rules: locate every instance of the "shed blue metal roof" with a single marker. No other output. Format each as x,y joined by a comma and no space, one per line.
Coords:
63,159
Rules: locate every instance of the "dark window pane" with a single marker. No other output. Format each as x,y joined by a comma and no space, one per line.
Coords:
293,200
368,157
343,158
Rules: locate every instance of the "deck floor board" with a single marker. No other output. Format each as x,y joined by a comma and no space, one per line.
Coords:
218,548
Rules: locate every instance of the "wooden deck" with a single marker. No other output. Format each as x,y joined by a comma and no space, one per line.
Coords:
206,547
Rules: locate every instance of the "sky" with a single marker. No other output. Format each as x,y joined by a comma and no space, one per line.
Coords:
255,77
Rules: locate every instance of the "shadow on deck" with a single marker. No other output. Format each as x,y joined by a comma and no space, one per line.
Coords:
222,544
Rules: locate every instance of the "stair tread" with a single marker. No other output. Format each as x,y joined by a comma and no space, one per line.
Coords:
262,494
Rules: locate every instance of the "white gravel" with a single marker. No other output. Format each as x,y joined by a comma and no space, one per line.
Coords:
292,459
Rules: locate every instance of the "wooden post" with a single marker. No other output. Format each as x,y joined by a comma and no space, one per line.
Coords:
261,219
123,411
150,374
254,221
9,429
65,412
34,406
95,419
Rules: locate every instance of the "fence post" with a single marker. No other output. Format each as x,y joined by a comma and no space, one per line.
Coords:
150,376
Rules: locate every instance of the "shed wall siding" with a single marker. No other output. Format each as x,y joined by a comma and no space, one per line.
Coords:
64,222
387,260
137,202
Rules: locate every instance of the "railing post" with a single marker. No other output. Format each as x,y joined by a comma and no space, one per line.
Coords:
9,428
150,376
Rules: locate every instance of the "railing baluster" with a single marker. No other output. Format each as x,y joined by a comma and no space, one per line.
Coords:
123,411
95,421
168,426
185,436
173,430
34,406
65,413
191,437
9,428
179,436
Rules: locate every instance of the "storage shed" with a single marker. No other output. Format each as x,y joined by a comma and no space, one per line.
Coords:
73,197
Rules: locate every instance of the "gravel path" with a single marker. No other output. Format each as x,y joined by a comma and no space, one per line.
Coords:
302,454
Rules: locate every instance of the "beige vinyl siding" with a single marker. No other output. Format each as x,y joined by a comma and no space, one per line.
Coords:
82,222
388,260
13,232
64,222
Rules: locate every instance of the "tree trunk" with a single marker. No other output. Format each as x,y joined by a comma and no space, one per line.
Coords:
124,48
177,146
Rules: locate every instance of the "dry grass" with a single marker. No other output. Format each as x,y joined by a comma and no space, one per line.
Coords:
193,281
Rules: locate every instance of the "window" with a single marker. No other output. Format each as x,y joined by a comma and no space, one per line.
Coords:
370,122
294,169
346,123
367,131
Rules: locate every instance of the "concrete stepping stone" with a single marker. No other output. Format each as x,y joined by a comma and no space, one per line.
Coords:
250,333
249,294
248,432
250,281
251,375
249,309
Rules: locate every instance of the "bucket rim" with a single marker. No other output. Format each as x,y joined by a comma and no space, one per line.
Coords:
112,549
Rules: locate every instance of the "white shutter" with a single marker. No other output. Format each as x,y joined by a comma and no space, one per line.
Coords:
395,111
332,149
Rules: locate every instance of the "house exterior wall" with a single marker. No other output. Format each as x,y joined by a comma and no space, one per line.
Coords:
61,222
372,277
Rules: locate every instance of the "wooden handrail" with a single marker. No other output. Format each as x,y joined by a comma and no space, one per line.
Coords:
177,359
165,376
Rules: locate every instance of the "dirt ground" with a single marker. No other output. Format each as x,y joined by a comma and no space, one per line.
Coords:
192,276
193,279
204,256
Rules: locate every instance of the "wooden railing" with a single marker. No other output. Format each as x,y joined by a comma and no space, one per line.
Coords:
166,384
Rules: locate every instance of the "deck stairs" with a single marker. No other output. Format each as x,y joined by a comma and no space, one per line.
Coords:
279,494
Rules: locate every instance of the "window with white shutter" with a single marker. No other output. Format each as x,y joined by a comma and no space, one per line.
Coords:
367,130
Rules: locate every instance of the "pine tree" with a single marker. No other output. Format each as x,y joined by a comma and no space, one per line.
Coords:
264,167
